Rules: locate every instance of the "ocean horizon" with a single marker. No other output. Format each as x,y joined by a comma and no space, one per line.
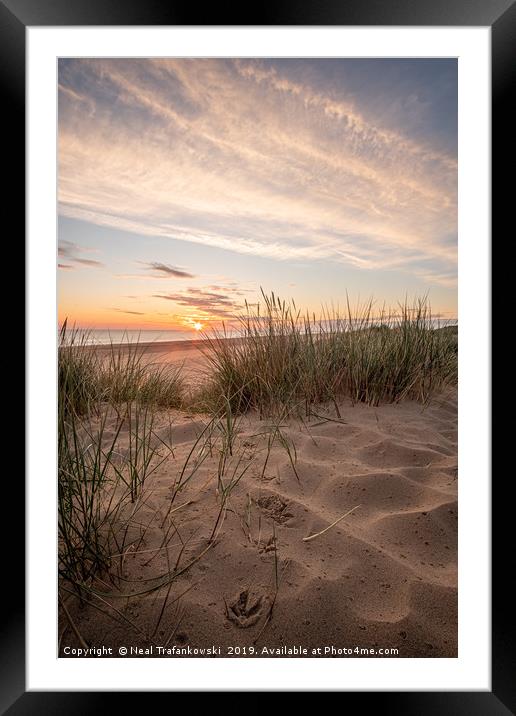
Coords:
105,336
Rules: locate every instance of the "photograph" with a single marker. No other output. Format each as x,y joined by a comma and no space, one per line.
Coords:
257,357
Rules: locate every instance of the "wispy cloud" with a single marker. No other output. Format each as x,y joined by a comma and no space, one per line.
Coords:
208,303
88,262
71,252
132,313
161,270
245,156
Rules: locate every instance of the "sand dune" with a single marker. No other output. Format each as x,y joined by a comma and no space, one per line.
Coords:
383,577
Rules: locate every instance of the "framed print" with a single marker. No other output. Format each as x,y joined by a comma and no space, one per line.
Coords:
258,357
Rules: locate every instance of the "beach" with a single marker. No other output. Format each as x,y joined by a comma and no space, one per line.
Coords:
189,355
267,564
258,368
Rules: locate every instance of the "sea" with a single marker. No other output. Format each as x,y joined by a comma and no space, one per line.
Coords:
103,337
115,336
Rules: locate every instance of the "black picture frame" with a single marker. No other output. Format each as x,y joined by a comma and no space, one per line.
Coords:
500,15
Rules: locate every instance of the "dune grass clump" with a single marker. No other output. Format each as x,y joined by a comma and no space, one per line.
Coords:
86,510
163,387
79,372
89,375
282,357
126,377
102,393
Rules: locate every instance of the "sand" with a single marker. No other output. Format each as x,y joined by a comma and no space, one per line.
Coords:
185,354
384,577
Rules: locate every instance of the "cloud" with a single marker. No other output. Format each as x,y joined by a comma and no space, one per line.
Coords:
67,249
132,313
208,303
165,271
88,262
71,251
243,156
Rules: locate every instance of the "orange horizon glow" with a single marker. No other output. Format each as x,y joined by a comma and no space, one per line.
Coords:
103,319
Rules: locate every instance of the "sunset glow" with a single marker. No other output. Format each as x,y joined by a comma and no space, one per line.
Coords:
187,185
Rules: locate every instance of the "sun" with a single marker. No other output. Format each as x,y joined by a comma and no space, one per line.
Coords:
197,326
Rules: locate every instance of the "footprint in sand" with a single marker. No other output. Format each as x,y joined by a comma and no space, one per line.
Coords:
264,478
274,507
264,546
246,609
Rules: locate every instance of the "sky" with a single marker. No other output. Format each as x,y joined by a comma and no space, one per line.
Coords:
188,185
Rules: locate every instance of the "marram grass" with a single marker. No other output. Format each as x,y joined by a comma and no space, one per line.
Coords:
284,358
116,375
99,396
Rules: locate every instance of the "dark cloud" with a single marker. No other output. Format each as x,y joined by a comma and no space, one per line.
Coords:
71,251
164,270
207,301
68,267
67,248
